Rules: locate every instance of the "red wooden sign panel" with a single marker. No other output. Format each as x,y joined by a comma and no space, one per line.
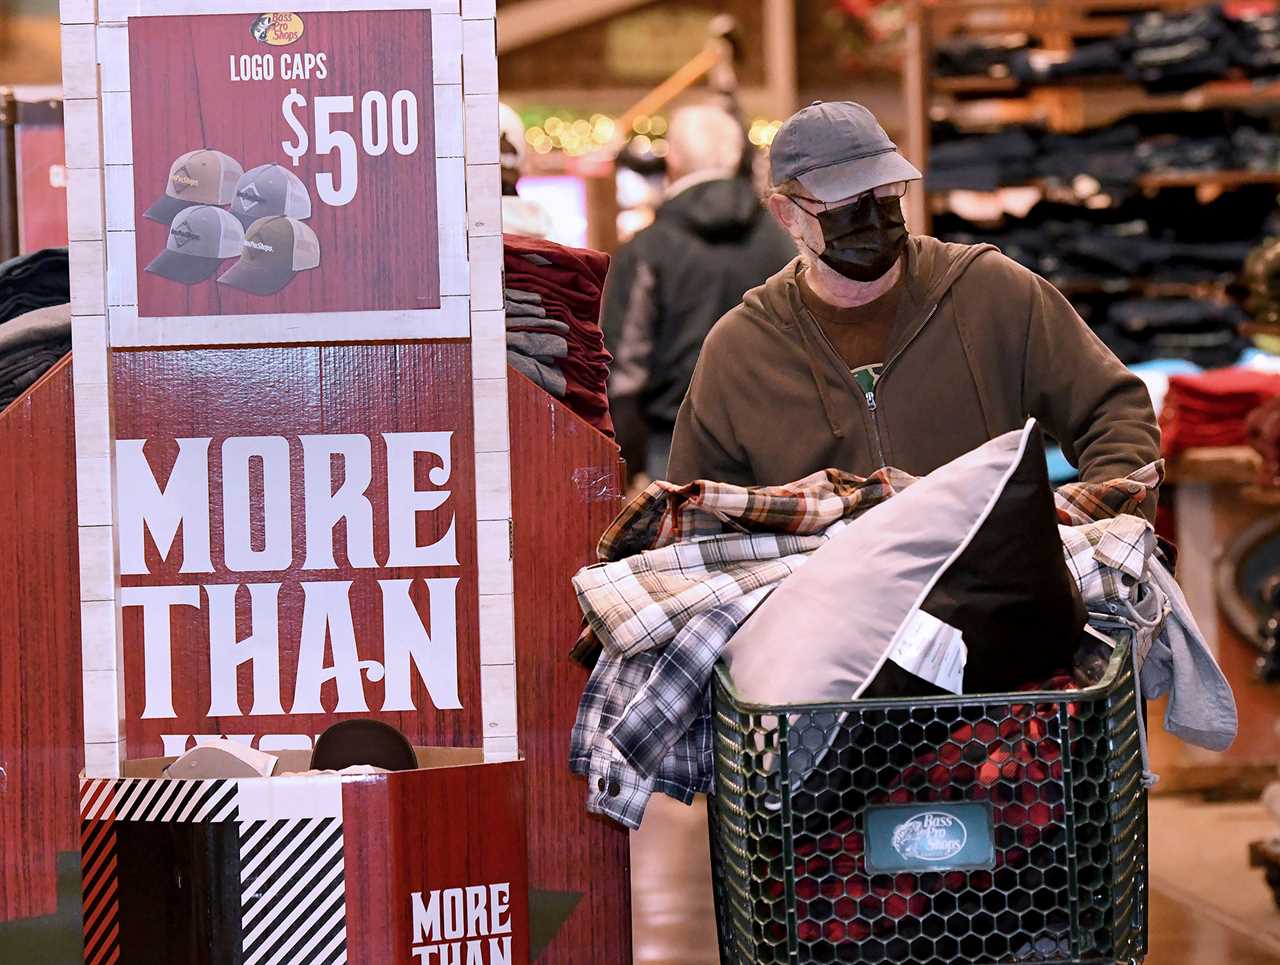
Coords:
297,542
577,861
41,743
456,837
341,105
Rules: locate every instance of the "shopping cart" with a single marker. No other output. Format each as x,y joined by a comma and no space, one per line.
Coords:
947,831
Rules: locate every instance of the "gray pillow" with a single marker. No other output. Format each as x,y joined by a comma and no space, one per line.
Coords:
956,584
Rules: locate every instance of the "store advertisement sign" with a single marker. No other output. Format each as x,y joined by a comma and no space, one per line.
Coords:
284,163
279,572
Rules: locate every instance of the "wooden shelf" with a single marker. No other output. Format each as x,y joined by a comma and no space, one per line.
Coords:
1228,464
1206,179
1223,180
976,84
1151,289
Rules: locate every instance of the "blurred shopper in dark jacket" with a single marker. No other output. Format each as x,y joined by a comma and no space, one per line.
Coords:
710,242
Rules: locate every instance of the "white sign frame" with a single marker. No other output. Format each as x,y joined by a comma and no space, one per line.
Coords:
100,198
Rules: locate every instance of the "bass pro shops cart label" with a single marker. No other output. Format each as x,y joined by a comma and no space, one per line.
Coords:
284,163
929,837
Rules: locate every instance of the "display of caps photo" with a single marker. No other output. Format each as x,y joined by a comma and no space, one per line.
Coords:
198,177
267,190
275,249
201,238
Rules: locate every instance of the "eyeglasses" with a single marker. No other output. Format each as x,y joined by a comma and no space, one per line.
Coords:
895,190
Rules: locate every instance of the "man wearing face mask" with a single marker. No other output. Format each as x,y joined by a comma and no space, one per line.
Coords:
876,347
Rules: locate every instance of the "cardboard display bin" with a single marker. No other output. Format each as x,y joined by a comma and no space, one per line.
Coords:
423,867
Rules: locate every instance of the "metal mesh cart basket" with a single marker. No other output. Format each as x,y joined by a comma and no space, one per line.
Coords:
953,831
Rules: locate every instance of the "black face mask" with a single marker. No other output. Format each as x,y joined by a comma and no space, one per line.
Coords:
865,238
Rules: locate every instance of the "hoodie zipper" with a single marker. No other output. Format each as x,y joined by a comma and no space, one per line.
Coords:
873,406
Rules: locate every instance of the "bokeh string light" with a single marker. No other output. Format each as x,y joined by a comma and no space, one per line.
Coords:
576,135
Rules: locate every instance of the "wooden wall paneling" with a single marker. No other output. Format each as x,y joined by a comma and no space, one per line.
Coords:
41,750
568,489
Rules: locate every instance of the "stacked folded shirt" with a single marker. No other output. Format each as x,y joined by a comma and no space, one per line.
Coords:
553,322
37,280
1212,409
30,345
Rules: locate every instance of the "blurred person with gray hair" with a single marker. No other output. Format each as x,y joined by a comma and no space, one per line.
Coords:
711,240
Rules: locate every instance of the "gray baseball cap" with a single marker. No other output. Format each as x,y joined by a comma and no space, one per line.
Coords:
267,190
836,149
201,238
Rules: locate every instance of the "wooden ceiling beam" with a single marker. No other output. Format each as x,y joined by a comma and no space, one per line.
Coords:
521,24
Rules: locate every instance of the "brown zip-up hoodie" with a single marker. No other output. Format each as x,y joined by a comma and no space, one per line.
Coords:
980,343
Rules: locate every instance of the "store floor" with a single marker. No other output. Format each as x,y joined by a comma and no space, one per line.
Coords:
1207,908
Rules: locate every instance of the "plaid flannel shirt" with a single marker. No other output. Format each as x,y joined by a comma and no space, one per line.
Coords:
684,567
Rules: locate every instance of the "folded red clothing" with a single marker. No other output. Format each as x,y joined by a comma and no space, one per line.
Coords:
586,261
1226,385
569,282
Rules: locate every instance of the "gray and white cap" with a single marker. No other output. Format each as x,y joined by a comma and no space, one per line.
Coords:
200,240
836,150
268,190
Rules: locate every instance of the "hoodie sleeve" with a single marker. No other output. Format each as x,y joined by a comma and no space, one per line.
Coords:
1097,409
703,445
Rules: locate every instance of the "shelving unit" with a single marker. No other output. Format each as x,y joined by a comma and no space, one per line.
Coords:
983,102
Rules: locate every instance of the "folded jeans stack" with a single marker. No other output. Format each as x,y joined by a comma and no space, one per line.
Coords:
1212,409
1200,331
1115,157
1172,52
1088,60
969,58
983,163
1258,44
555,293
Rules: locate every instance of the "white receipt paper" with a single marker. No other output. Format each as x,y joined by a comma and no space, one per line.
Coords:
931,649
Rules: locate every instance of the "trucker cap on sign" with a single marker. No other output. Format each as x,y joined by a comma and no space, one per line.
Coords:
836,150
275,249
267,190
200,240
198,177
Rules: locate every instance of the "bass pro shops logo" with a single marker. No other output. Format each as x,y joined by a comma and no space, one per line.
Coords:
182,235
276,29
931,836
